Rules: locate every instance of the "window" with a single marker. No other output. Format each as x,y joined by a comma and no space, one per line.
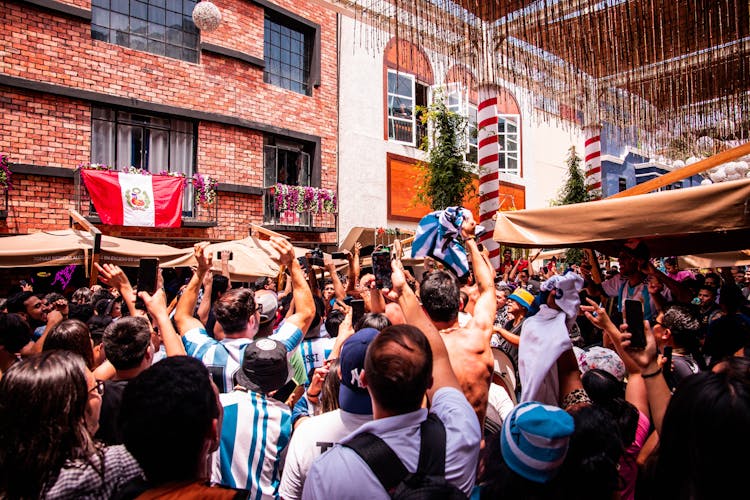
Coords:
286,162
622,184
404,94
163,27
288,53
457,102
508,144
124,139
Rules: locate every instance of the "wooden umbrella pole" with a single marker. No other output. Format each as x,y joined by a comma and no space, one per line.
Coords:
686,171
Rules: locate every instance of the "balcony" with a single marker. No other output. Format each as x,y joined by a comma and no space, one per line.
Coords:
193,214
291,220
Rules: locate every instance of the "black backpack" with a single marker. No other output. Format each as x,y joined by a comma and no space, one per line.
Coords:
428,482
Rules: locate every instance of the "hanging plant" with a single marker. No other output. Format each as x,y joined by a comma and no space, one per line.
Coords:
5,175
304,199
205,189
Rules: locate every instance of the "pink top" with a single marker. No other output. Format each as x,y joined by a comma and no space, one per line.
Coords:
681,275
628,464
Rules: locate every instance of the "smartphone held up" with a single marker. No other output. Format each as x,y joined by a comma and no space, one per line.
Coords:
634,320
148,270
381,268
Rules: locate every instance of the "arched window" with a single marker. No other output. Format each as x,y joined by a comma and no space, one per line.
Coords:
408,79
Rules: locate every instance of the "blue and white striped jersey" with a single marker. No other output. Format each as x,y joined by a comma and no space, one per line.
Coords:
255,430
223,358
315,351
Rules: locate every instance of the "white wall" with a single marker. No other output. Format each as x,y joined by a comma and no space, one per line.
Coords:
363,190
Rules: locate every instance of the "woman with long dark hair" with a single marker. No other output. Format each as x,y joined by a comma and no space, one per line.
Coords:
49,411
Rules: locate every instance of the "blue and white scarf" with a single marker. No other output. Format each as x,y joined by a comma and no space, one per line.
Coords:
437,237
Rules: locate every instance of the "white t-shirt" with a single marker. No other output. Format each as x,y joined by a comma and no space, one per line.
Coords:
313,437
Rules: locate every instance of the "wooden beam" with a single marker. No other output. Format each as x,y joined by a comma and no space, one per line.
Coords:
686,171
77,218
263,230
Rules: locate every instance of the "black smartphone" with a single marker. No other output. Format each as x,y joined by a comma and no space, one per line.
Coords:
358,310
338,255
218,256
304,263
634,319
381,268
147,269
286,390
668,358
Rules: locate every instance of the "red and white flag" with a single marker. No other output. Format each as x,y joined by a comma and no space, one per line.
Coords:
124,199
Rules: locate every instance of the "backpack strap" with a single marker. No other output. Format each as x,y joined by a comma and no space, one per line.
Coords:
381,459
432,447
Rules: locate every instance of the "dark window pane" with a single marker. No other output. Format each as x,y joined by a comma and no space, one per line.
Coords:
121,6
139,9
156,47
100,17
175,5
156,31
120,22
159,3
190,40
99,33
138,26
174,19
190,55
138,43
188,6
157,15
174,36
121,38
104,4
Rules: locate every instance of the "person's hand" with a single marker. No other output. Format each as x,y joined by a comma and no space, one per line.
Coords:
54,317
645,358
468,225
367,282
62,306
202,257
398,281
26,286
224,254
328,261
208,278
285,249
316,384
597,315
156,304
654,287
357,248
112,276
345,327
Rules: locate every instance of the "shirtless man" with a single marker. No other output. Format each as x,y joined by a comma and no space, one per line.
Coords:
469,346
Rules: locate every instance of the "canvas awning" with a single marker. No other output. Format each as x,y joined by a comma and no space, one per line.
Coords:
368,236
71,246
721,259
701,219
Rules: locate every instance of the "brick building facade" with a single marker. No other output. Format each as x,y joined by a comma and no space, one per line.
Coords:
128,65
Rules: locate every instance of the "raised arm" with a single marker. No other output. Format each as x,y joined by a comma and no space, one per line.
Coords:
156,305
204,308
183,316
442,371
338,287
485,306
115,277
304,306
225,264
353,272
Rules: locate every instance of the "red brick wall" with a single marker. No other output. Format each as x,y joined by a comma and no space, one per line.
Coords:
46,130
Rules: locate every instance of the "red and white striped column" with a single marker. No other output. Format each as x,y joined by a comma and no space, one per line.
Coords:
489,184
593,162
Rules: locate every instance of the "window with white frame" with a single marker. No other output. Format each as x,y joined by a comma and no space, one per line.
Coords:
154,143
508,143
401,102
457,101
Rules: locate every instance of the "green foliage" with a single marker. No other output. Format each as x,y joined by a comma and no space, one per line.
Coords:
446,178
573,191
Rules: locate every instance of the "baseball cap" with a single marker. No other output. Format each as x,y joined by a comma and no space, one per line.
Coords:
267,304
523,297
534,440
264,366
352,396
600,357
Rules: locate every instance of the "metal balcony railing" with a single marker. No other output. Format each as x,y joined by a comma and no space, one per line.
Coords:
291,219
193,214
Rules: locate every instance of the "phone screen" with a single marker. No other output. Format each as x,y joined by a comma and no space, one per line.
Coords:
634,319
147,269
381,268
218,256
668,358
358,310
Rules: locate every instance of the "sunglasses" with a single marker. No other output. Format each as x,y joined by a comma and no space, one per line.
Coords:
99,387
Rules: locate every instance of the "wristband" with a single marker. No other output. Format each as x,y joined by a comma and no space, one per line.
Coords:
315,396
472,237
649,375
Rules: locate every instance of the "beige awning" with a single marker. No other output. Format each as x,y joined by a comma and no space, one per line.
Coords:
721,259
70,246
367,236
701,219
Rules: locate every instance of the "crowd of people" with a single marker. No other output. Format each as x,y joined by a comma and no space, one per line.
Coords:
504,383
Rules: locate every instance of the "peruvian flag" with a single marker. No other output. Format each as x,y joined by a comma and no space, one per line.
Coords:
124,199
